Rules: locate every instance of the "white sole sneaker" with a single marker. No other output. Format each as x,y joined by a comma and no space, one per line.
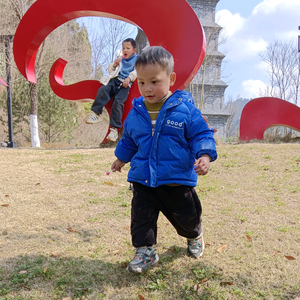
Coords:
93,118
144,258
196,247
113,135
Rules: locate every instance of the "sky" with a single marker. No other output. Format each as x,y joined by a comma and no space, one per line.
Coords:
249,27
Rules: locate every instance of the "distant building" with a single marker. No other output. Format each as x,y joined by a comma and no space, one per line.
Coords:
214,88
212,105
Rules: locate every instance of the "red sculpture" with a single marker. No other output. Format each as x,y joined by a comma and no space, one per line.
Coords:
184,39
85,90
2,82
262,113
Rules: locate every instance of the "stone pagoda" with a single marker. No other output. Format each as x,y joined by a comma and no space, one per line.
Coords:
207,87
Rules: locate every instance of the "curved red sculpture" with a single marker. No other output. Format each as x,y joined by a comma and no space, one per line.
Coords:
262,113
175,27
76,91
83,91
185,40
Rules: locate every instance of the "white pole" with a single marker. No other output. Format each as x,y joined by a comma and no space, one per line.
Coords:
34,130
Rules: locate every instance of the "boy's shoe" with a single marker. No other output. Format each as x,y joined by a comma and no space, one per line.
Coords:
196,246
113,135
93,118
144,257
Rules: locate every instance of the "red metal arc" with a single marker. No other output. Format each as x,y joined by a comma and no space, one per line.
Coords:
77,91
262,113
176,27
85,90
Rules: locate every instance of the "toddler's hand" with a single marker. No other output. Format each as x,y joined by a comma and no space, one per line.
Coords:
126,82
117,165
202,165
117,61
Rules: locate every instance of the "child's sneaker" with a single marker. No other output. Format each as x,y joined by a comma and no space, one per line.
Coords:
144,258
113,135
93,118
196,246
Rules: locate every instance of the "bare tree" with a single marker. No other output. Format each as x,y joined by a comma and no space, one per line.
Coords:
283,69
98,46
232,108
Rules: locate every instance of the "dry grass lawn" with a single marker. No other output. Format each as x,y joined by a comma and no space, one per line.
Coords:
65,228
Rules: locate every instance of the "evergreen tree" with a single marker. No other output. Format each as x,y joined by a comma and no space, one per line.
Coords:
58,117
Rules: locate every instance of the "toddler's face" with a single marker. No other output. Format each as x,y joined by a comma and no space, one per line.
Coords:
127,49
154,83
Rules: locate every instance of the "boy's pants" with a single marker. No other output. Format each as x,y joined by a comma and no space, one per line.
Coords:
180,205
114,89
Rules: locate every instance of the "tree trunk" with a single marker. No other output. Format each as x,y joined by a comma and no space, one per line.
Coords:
34,130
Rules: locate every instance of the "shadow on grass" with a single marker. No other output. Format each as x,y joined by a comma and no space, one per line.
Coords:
175,276
56,277
59,277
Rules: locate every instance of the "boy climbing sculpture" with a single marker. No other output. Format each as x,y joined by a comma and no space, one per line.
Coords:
116,85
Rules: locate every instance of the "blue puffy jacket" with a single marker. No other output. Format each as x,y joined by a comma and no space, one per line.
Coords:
167,157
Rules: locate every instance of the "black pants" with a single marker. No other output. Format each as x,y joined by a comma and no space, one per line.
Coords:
180,205
114,89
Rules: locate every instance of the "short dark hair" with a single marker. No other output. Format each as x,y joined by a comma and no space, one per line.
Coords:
132,41
156,55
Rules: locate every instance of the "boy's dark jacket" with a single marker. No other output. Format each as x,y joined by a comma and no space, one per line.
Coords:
167,157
